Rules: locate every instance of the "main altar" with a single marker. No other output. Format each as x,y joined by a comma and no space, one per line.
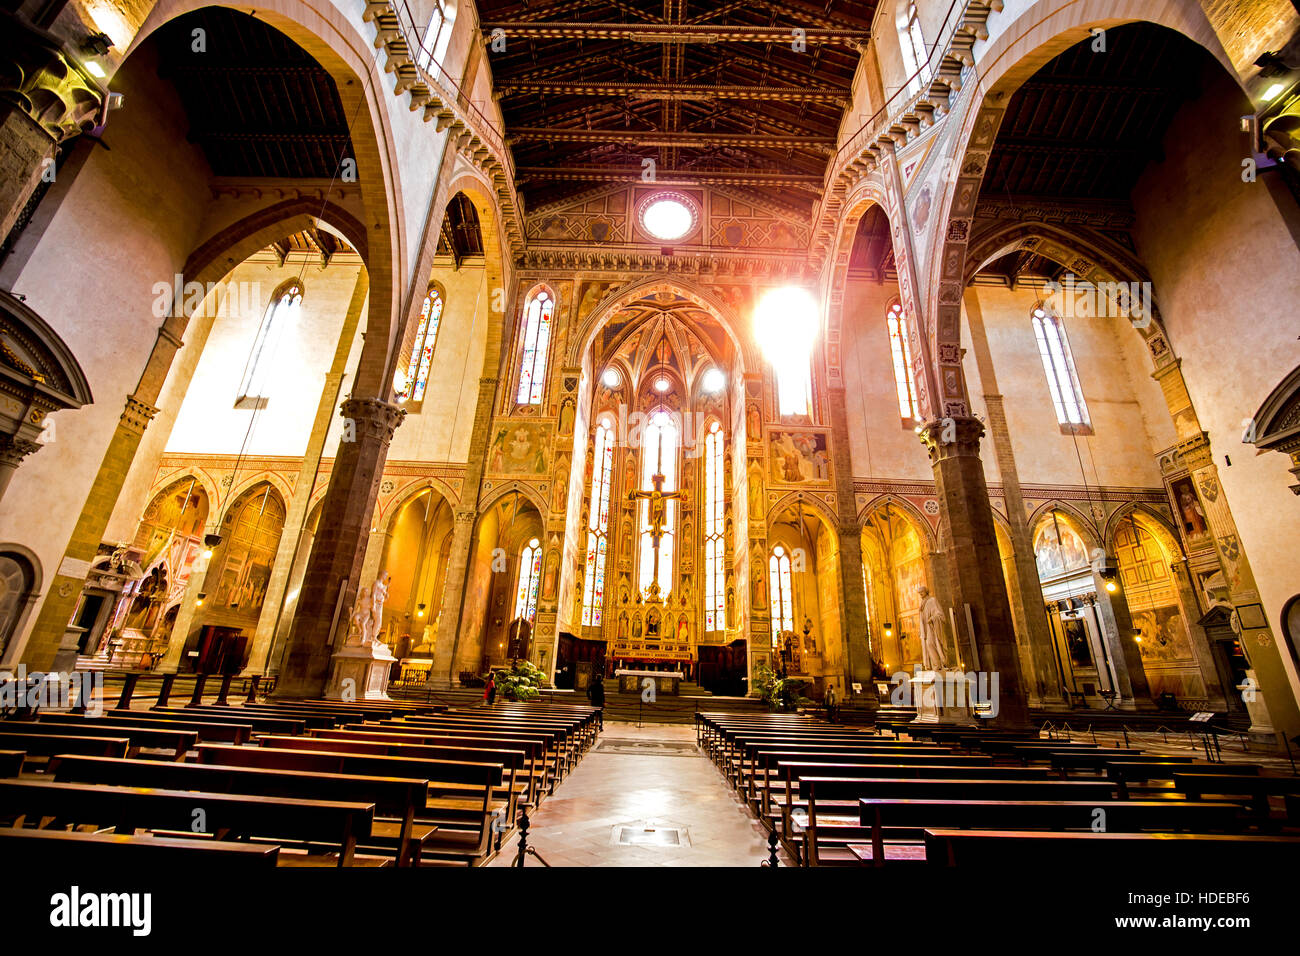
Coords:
633,681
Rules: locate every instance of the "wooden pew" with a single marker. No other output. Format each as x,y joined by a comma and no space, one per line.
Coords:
260,724
512,761
464,841
11,762
219,733
552,742
534,771
1120,816
562,738
44,745
179,742
398,800
111,852
1258,788
1163,768
127,809
1116,852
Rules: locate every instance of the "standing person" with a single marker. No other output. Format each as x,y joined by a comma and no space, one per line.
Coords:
830,703
490,690
596,692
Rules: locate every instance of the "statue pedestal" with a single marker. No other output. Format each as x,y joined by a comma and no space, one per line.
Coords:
360,672
1261,725
941,698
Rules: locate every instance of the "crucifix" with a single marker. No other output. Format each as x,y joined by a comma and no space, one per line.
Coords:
658,518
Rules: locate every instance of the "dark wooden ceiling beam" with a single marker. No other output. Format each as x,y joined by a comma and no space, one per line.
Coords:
678,91
667,177
671,32
653,138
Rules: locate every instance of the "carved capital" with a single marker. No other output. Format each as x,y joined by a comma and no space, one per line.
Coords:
373,418
14,449
952,437
1196,452
137,414
46,82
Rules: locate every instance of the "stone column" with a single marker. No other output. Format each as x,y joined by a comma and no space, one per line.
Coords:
334,568
1043,685
65,587
171,662
1125,657
46,97
453,595
1191,608
853,597
269,621
975,568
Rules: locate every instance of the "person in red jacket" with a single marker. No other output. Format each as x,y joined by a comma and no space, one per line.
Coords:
490,690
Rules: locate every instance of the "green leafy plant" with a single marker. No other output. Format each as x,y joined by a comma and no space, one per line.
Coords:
519,681
779,693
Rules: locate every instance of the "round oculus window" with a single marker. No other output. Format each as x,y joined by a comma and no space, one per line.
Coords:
668,216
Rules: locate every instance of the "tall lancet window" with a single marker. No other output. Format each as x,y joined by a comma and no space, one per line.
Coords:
778,576
433,44
1058,363
530,574
901,349
715,599
420,358
658,455
535,334
283,310
593,588
915,61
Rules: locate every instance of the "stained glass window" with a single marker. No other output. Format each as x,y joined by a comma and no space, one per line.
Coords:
778,575
421,355
530,575
658,454
539,307
901,348
1058,363
715,599
286,302
593,588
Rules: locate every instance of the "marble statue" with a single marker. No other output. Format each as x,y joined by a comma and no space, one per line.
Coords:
934,653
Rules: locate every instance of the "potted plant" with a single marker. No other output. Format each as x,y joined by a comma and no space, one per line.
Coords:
519,681
780,693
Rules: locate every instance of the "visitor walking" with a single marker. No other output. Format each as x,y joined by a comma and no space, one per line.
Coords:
490,690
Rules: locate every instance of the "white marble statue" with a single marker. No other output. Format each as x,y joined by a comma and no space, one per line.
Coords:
361,632
378,595
934,652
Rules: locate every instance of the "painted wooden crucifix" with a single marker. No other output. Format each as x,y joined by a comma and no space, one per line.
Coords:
658,519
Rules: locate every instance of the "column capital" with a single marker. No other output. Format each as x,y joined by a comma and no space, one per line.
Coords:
14,449
1195,451
952,437
47,72
374,418
137,414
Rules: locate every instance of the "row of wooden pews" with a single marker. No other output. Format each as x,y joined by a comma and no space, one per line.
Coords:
282,783
833,795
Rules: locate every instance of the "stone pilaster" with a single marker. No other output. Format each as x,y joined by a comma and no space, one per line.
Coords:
334,568
853,597
975,568
1121,645
65,587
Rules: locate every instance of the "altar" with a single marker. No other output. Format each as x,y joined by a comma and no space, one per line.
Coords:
631,681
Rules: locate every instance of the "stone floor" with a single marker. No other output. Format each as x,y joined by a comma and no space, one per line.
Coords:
651,779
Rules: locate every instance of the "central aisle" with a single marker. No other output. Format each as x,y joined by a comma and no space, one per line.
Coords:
619,794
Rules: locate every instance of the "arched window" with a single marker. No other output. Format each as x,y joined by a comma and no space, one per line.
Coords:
715,592
433,44
658,455
794,388
530,574
535,332
593,593
901,349
915,61
286,302
1062,380
421,354
778,576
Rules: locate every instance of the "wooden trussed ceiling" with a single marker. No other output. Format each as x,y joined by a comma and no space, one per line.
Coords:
258,104
711,92
1088,122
